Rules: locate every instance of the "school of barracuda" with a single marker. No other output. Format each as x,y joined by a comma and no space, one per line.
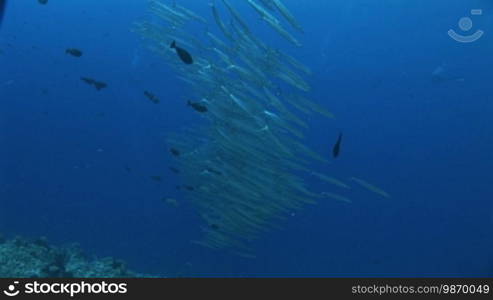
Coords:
247,164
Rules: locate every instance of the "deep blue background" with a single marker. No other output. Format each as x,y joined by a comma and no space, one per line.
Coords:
75,163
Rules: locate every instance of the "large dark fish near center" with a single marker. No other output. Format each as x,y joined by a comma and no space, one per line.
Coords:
197,106
337,147
2,9
182,53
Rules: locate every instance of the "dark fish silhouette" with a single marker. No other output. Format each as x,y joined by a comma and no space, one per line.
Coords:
43,1
174,151
337,147
2,9
151,97
74,52
97,84
182,53
197,106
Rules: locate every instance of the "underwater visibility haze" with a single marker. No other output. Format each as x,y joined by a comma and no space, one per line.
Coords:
248,138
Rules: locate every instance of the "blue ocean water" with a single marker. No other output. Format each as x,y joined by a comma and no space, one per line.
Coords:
415,107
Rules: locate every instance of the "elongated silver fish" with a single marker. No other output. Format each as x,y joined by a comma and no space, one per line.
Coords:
287,14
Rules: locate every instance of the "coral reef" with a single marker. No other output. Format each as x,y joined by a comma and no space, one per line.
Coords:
33,258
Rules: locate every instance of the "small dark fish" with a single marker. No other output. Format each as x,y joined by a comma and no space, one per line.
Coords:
174,152
151,97
2,9
43,1
337,147
182,53
87,80
74,52
156,178
97,84
188,187
197,106
214,226
128,169
174,170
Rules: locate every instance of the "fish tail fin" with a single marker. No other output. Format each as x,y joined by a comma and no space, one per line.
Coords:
173,45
